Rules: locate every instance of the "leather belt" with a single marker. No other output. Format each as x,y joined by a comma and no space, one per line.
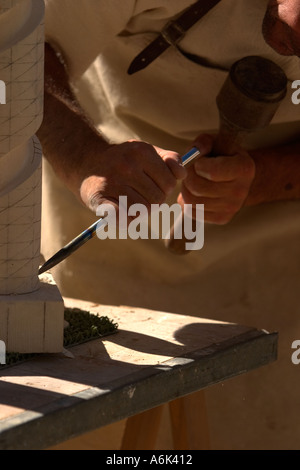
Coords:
171,34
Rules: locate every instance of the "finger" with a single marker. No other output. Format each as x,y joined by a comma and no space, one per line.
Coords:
217,218
201,187
140,158
102,203
173,162
96,190
222,169
204,144
232,195
99,200
142,169
126,196
214,212
148,189
160,173
216,203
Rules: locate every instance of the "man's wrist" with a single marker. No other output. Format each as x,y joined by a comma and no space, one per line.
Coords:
276,176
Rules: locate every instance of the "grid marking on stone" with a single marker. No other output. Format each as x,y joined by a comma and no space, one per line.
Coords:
22,70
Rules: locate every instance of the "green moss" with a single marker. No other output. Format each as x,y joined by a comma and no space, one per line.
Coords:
14,358
83,326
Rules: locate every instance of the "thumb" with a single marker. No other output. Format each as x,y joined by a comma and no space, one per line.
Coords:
204,143
173,162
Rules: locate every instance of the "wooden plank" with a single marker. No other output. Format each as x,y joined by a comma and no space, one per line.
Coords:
154,358
141,430
189,421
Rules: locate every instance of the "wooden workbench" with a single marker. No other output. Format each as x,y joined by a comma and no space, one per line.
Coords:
154,358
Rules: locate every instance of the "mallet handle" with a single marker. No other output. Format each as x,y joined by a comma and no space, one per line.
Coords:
224,144
247,102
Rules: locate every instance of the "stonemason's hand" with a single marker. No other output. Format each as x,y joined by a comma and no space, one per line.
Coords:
221,183
143,173
94,170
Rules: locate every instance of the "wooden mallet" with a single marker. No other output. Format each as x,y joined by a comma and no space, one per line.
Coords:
247,102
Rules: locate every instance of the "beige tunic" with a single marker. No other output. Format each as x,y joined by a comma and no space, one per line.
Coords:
248,271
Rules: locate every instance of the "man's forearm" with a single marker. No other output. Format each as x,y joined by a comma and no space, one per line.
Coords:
95,170
277,174
65,134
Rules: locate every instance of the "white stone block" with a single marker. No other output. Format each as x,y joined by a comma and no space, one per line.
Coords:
33,323
31,312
